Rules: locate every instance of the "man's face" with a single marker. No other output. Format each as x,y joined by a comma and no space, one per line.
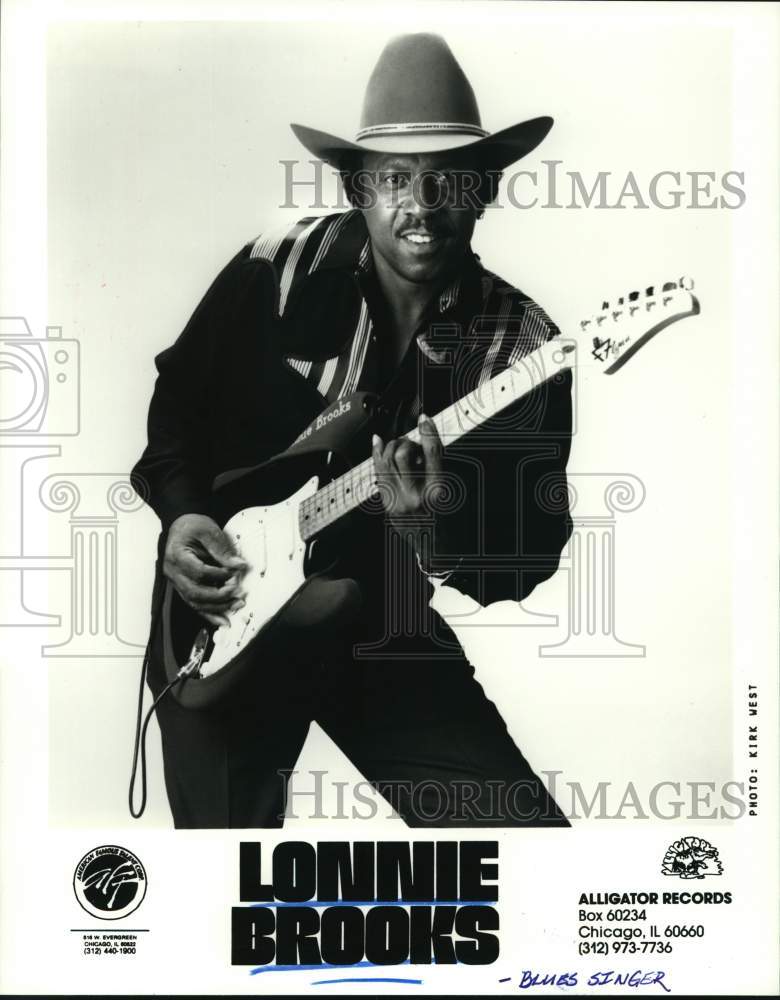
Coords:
419,223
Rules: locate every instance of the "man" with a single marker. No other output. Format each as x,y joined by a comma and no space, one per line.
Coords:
387,298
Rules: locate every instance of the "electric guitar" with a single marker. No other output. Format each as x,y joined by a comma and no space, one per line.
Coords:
274,512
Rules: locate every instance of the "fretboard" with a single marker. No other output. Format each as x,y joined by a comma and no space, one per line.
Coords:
344,494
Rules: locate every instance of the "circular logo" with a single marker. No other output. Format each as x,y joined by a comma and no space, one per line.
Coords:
109,882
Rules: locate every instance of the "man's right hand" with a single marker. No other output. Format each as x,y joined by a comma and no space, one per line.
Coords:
203,566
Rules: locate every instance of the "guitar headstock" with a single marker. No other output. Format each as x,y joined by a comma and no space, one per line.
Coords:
621,327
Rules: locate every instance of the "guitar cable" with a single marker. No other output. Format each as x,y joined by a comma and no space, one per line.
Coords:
139,744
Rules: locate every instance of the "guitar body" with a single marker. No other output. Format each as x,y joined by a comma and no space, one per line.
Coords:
269,540
290,604
273,512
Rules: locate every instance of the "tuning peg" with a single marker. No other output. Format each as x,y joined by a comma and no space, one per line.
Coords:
626,306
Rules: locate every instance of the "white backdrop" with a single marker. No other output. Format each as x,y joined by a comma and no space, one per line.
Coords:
140,150
164,147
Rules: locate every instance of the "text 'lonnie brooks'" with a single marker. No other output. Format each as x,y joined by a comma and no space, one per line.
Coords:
383,902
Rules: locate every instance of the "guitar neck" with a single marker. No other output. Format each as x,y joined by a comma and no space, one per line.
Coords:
344,494
620,329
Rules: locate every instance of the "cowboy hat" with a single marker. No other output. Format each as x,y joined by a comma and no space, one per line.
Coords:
418,99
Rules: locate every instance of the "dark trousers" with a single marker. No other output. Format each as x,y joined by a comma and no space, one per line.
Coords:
422,732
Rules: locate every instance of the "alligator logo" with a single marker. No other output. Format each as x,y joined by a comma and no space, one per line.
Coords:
691,857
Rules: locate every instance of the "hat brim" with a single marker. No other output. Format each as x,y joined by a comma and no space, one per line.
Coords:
496,150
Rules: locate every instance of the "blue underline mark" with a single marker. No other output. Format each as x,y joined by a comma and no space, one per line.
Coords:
379,979
319,903
326,965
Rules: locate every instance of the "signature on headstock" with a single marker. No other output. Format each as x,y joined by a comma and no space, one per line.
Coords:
608,348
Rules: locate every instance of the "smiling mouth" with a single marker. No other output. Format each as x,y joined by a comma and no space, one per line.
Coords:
422,241
419,238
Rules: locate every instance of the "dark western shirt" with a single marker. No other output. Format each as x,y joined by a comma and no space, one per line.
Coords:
294,323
